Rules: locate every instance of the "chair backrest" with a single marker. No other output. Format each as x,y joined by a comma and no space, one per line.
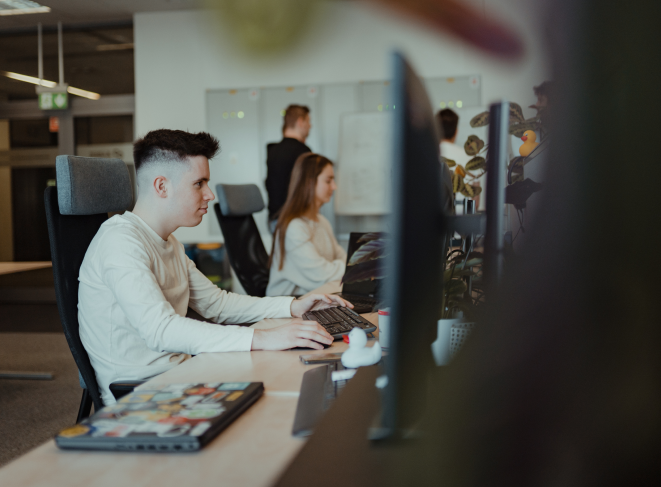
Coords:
87,189
245,249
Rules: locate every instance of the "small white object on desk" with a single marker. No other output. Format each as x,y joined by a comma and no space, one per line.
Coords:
384,328
358,355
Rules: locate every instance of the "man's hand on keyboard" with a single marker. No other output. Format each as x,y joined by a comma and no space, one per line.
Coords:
313,302
296,333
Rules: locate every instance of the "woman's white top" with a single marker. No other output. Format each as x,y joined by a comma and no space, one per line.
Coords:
313,257
135,290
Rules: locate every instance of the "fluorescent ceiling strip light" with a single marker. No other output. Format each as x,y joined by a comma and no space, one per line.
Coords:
84,93
51,84
20,7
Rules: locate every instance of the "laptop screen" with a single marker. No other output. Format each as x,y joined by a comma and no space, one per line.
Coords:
362,288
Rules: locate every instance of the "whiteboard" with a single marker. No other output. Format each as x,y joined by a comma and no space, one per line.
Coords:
363,171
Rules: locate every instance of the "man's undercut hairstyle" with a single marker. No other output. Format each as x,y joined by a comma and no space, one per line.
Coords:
448,120
292,114
172,147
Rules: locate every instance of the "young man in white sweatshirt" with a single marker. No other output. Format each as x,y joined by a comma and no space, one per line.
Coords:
136,282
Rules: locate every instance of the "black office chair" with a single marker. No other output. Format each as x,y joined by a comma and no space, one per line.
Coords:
87,189
245,249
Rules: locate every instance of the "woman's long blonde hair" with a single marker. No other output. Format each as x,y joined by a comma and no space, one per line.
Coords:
300,197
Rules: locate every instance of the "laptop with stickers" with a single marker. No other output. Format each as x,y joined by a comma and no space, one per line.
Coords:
176,417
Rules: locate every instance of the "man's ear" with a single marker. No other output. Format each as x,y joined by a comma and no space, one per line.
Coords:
161,186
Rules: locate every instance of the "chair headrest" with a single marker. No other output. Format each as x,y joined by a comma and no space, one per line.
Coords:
92,185
239,199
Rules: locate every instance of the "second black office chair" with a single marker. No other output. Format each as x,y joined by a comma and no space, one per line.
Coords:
245,249
87,189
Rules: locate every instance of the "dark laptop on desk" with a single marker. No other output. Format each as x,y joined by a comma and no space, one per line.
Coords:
171,418
362,294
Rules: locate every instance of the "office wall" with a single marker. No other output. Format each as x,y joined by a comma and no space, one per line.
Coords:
180,55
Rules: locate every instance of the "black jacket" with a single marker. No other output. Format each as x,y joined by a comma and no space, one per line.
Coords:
280,159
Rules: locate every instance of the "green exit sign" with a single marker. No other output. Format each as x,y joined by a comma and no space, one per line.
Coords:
53,101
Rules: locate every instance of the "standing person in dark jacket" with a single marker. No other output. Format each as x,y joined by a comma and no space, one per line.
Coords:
280,157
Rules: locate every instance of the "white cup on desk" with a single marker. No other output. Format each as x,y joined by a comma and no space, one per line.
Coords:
384,327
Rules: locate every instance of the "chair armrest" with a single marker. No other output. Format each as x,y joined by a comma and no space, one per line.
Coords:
122,388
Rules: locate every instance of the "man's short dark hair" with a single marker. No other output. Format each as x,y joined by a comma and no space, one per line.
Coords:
292,114
448,120
172,145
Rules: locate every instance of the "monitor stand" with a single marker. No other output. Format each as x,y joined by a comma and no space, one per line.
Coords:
339,452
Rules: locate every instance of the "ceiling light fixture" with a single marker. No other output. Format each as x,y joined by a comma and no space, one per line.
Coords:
50,84
114,47
20,7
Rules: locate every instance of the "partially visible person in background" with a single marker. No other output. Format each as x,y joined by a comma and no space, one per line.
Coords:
281,156
448,120
305,253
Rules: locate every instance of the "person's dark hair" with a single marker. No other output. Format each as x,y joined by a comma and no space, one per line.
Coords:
448,121
292,114
165,145
300,197
545,89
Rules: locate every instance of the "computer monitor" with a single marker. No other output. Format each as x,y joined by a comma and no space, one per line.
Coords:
413,286
499,115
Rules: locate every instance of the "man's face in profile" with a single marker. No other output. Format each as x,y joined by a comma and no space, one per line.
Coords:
304,125
191,193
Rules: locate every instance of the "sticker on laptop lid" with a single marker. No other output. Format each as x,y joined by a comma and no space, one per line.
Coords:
199,391
201,413
120,431
136,397
176,387
234,386
200,428
167,397
213,398
77,430
213,405
190,400
176,430
154,428
234,396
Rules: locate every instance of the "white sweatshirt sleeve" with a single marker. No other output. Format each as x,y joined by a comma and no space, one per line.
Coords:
306,268
125,269
222,307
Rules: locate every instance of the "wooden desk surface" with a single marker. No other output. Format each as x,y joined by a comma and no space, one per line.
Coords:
11,267
253,451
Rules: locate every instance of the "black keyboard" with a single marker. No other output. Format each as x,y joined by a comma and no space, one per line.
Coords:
339,321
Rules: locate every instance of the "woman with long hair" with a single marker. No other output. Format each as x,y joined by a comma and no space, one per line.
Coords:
305,253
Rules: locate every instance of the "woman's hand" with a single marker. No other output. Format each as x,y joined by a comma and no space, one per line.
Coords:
313,302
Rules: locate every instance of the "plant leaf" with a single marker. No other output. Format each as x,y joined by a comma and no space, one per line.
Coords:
518,129
476,163
457,182
516,114
473,262
372,269
455,286
473,145
449,162
468,191
374,249
371,236
480,120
